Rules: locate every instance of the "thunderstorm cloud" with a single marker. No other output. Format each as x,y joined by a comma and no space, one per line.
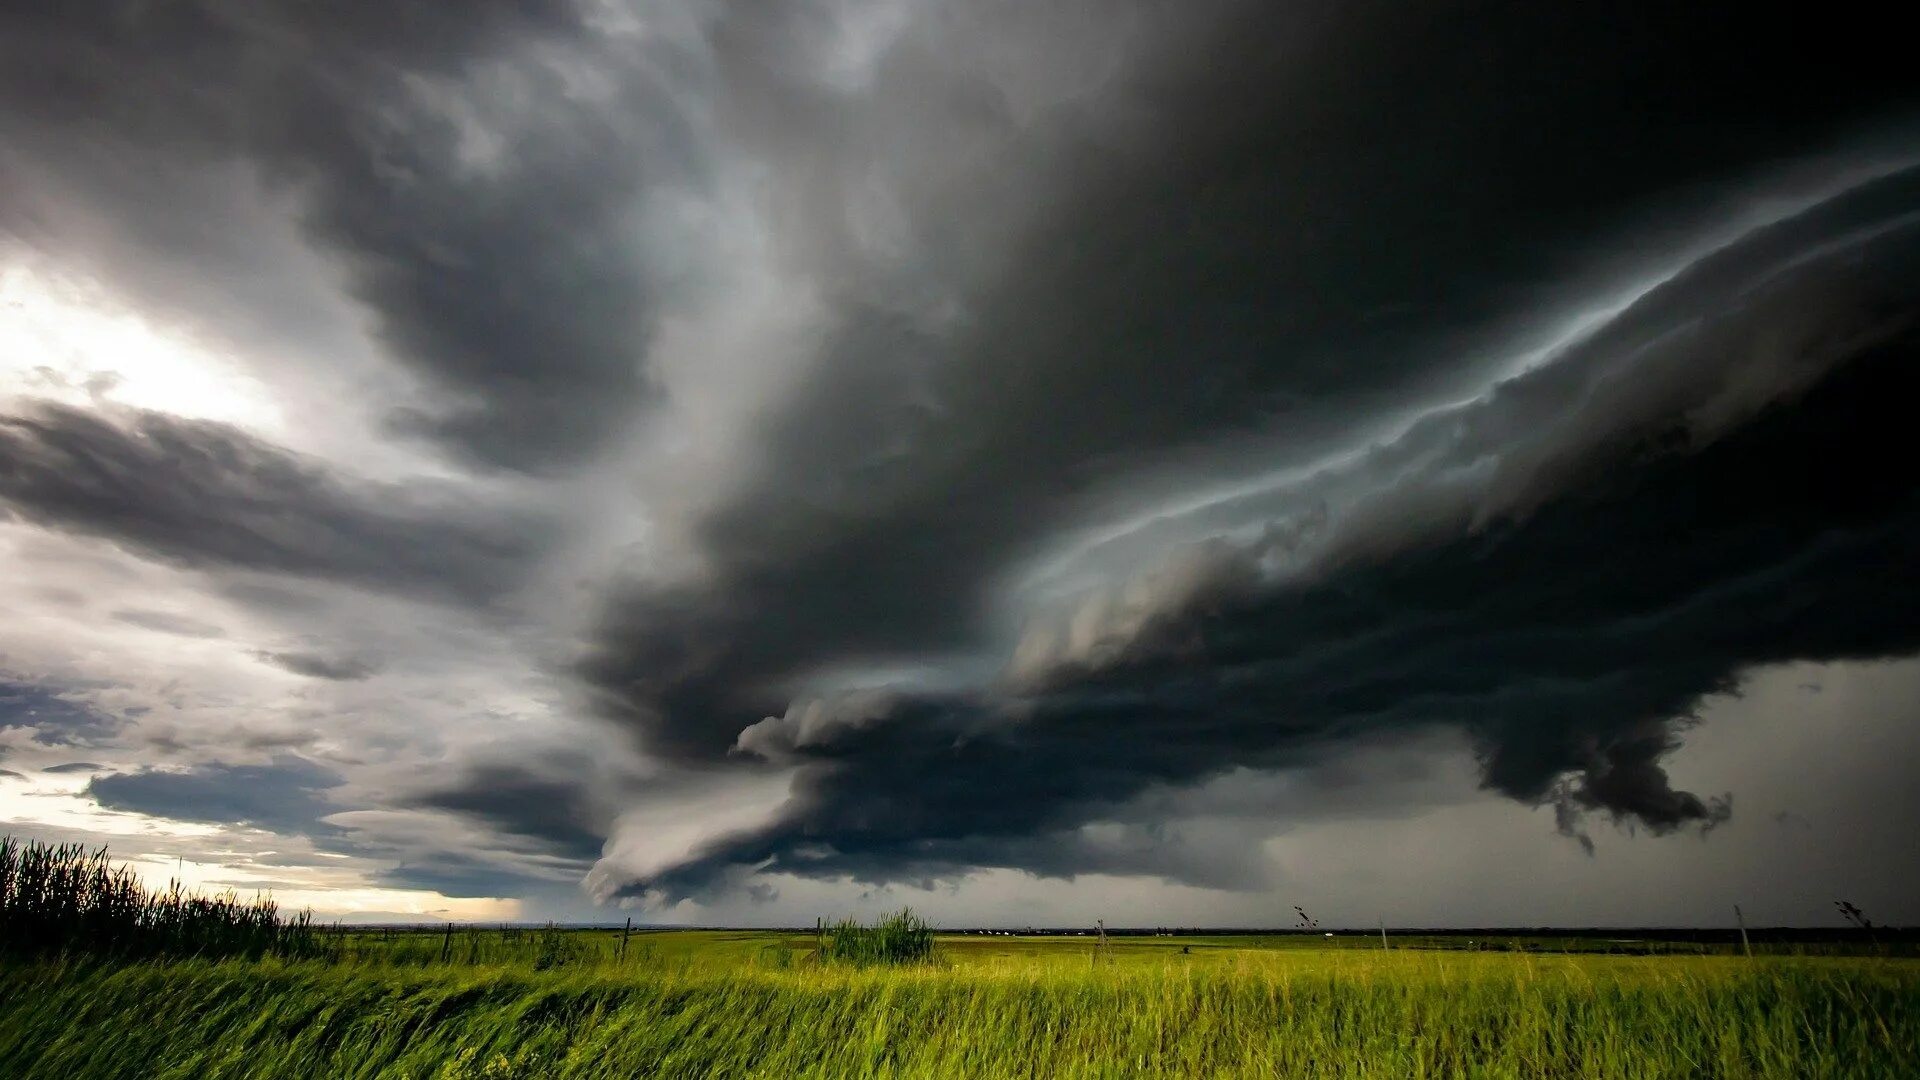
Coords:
742,460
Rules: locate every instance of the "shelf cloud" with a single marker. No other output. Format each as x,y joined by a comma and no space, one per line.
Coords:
722,457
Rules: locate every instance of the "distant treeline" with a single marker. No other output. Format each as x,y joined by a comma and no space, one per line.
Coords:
61,899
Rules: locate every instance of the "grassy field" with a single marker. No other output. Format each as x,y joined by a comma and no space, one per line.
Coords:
564,1004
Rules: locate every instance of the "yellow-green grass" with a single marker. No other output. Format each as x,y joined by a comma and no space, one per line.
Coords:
752,1004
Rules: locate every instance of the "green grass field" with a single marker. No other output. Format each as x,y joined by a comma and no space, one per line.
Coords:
480,1004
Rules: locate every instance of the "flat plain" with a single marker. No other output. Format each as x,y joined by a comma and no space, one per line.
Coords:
503,1002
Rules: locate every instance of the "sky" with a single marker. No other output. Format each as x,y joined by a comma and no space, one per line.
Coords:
733,463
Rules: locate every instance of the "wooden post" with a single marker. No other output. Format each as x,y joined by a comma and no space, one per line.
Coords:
1742,920
624,934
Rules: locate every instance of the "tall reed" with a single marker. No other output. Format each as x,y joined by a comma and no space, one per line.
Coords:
61,899
902,938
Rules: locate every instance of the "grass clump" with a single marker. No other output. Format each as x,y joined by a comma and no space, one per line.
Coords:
63,900
900,938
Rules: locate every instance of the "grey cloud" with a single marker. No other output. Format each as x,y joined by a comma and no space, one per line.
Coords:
460,875
1250,246
297,796
479,176
320,666
163,622
1746,331
273,596
207,496
543,803
1046,274
1571,634
482,830
814,722
53,716
1237,249
74,767
288,795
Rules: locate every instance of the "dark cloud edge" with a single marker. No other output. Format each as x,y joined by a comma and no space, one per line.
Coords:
1573,639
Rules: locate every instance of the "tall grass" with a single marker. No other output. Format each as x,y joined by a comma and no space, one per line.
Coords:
61,899
900,938
1325,1014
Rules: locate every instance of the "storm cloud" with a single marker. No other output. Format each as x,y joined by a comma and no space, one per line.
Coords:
1240,270
549,806
288,794
475,174
751,450
1176,316
209,495
1572,644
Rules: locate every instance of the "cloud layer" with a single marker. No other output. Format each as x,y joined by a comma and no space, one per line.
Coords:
854,442
204,494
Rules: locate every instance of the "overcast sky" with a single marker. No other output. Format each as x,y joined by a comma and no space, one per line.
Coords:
736,462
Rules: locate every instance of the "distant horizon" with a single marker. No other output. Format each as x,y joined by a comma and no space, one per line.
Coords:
1730,930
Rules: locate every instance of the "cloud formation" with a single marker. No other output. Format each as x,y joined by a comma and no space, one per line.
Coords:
548,806
53,717
747,449
317,666
893,499
287,795
477,177
201,494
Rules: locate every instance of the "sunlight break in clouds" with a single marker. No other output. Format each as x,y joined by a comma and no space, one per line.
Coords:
63,341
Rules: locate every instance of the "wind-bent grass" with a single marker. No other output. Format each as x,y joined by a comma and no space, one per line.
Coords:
94,985
1299,1012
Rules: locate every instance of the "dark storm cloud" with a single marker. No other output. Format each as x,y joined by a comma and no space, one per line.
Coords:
482,194
54,717
1075,282
1574,642
1269,231
1295,223
541,823
294,796
543,804
288,796
318,666
207,495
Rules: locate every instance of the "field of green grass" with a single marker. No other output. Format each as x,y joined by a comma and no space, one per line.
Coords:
566,1004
